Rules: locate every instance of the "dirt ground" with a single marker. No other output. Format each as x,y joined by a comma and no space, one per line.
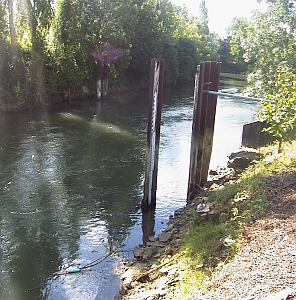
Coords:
266,262
263,268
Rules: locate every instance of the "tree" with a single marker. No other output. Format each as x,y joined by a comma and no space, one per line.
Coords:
281,115
270,44
187,60
207,43
54,39
99,22
147,41
203,19
195,43
169,19
40,14
3,47
238,35
74,39
12,29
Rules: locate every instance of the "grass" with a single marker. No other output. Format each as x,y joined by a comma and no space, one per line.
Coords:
209,245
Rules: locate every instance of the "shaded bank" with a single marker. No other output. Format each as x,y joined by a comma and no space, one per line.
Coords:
122,93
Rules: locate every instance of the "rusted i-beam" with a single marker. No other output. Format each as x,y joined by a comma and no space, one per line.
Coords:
204,113
153,132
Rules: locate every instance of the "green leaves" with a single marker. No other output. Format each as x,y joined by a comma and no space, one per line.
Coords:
238,34
281,116
268,44
56,39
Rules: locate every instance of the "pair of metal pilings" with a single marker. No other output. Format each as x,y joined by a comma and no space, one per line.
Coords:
207,79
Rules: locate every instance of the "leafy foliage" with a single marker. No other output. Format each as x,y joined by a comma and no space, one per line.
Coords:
54,40
281,115
266,43
237,33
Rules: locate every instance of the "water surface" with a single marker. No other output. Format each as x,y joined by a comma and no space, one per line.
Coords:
71,181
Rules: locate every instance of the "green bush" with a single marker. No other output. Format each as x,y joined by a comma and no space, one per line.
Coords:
281,115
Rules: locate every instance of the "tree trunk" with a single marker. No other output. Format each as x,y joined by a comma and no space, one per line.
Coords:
12,30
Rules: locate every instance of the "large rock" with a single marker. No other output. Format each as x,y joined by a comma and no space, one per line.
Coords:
242,158
164,237
138,252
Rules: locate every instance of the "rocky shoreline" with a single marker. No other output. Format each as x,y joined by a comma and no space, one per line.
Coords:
142,278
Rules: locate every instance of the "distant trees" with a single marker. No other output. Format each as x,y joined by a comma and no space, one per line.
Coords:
235,56
147,39
46,44
264,44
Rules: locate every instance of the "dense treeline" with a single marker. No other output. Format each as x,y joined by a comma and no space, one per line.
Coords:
46,45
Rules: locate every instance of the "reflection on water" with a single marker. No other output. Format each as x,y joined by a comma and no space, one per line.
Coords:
71,181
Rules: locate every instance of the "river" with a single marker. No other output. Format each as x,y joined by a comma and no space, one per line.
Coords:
71,181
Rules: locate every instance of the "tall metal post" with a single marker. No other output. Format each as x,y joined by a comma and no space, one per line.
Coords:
203,124
153,132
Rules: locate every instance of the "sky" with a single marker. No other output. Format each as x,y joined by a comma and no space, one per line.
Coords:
222,12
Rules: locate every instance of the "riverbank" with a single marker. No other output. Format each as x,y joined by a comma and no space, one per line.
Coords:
235,240
120,93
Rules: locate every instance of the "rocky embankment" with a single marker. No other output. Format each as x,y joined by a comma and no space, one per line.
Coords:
155,265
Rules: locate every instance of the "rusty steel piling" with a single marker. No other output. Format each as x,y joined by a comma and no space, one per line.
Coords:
153,132
207,79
